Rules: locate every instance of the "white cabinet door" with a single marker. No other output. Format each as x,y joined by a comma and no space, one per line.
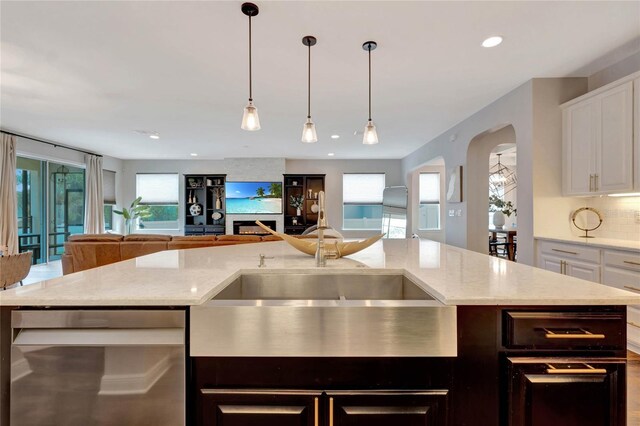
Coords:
550,264
584,271
578,148
614,141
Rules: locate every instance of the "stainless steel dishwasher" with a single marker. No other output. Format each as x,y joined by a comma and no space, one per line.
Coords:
97,367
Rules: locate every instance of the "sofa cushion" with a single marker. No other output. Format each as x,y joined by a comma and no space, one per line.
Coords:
96,238
195,238
147,237
240,238
88,254
131,249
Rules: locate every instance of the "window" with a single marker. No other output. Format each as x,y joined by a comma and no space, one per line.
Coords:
429,210
109,197
362,201
159,191
108,217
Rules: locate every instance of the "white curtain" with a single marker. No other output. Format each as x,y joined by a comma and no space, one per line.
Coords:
94,202
8,194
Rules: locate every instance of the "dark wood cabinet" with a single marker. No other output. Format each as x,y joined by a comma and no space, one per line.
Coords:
540,366
306,187
257,407
567,392
384,408
234,407
204,205
271,391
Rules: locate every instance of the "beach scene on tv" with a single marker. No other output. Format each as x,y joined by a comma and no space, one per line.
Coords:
254,197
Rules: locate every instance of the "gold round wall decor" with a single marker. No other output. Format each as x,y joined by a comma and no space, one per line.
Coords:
586,230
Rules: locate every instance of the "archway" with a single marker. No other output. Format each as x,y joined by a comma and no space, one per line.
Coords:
477,182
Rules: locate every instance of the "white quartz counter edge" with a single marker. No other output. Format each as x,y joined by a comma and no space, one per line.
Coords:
606,243
452,275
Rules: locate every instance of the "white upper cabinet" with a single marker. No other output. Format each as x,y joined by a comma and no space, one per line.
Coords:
598,139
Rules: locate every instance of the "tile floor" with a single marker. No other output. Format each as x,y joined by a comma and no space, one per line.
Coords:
54,269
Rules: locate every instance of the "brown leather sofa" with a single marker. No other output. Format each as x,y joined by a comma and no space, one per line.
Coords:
92,250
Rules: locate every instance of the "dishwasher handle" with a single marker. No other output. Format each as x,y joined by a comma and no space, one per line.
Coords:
99,337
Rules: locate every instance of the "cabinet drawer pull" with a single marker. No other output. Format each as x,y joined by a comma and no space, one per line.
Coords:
632,263
330,411
565,251
588,370
584,335
596,182
590,183
628,287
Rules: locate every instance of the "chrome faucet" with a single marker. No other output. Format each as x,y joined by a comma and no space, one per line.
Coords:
321,254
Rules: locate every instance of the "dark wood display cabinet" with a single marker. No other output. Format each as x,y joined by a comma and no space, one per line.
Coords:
306,186
204,205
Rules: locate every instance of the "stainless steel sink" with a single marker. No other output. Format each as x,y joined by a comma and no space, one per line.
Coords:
322,287
328,314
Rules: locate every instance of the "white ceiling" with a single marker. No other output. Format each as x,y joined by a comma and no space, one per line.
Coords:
89,74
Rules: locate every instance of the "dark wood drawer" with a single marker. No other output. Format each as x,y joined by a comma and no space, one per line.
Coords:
564,330
566,391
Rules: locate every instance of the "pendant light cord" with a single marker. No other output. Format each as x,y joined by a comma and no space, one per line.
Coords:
369,49
309,85
250,79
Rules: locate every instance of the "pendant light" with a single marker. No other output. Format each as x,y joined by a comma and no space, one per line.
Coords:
370,135
309,134
250,119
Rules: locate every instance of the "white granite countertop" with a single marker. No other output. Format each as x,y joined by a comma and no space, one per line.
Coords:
607,243
452,275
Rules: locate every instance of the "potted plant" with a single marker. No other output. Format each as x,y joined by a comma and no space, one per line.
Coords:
296,201
135,211
499,207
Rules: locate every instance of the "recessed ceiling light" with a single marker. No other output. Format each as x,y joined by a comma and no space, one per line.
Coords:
331,154
193,154
335,136
154,136
492,41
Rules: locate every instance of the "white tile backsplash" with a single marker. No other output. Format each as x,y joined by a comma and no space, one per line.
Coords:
621,217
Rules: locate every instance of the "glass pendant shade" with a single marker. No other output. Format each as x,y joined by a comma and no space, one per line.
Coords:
250,119
309,134
370,135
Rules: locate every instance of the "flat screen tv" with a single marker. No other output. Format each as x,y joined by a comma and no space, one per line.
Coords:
253,197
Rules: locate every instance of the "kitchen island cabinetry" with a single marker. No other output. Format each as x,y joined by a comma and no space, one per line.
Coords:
493,320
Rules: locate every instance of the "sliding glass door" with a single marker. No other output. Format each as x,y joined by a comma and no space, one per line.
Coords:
66,206
50,206
31,213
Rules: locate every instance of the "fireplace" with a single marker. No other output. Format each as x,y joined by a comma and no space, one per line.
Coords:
249,227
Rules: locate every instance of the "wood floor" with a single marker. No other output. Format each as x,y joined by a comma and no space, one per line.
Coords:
633,389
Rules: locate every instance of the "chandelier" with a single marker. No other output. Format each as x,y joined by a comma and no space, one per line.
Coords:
502,179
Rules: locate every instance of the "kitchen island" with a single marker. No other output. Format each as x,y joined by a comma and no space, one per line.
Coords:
525,339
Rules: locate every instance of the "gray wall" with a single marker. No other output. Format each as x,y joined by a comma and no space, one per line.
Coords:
532,110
